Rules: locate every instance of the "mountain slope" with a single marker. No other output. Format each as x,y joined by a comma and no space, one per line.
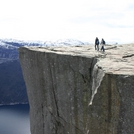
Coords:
12,86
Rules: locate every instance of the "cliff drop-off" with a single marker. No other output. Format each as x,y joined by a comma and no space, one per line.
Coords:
77,90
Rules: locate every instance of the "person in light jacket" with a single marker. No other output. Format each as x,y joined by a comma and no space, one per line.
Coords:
102,45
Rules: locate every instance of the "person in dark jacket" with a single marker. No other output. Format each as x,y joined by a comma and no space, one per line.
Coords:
97,44
102,45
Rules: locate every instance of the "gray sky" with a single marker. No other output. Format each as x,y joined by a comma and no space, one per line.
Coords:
60,19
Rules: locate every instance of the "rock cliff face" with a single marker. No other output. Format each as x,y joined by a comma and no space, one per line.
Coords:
77,90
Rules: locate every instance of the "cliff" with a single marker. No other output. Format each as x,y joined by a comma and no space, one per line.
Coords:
77,90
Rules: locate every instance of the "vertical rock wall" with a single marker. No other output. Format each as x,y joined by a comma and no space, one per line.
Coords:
67,95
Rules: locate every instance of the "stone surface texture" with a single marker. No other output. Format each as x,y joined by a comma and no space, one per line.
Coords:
77,90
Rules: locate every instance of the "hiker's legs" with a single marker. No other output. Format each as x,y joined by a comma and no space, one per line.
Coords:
95,46
103,48
98,47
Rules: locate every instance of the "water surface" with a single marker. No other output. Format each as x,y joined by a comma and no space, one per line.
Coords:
14,119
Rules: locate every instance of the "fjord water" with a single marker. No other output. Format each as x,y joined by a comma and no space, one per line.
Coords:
14,119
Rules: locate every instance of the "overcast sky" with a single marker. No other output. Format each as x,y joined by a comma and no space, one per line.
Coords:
112,20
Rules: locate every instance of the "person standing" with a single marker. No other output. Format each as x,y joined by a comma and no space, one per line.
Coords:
102,45
97,44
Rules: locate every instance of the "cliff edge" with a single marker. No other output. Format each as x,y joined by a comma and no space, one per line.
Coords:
77,90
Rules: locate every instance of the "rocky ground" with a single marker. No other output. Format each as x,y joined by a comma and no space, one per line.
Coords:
117,59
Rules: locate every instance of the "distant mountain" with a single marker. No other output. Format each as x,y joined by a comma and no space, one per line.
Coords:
12,85
65,42
9,47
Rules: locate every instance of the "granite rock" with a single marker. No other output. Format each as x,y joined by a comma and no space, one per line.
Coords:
77,90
